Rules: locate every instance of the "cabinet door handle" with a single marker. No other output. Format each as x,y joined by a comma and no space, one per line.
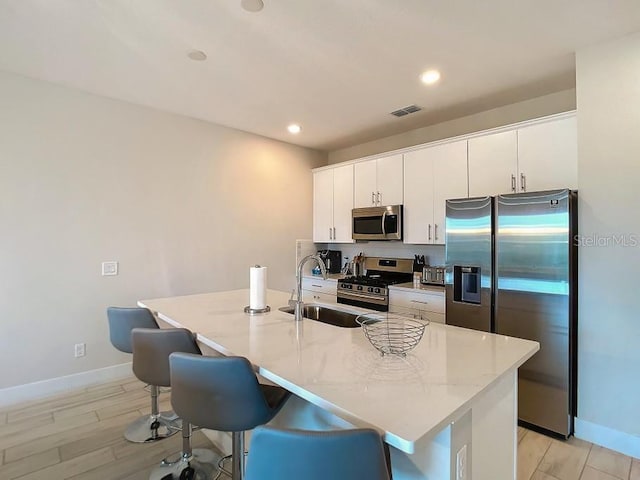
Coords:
373,198
334,233
317,286
435,231
429,231
420,301
379,199
330,236
523,182
513,183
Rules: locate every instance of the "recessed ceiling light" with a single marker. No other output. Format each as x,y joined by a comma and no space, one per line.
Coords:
197,55
294,128
430,77
252,5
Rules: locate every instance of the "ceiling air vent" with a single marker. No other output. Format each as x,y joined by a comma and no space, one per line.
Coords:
406,111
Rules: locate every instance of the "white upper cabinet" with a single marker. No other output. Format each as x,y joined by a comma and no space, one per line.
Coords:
449,181
418,197
366,183
493,164
379,182
322,205
390,187
431,176
541,156
548,155
342,203
332,204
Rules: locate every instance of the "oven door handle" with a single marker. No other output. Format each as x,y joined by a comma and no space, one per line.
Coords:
384,215
361,295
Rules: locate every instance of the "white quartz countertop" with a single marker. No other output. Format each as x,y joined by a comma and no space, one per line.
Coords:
334,277
339,370
432,289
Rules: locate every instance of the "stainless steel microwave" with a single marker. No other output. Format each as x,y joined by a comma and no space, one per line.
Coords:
377,223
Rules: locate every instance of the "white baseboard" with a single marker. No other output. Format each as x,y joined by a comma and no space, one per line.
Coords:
37,390
622,442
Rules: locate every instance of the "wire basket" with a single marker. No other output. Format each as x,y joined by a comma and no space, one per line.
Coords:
391,333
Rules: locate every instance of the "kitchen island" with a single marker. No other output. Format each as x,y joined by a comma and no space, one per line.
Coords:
456,389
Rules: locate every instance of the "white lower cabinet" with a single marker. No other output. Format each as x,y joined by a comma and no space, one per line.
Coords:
318,290
421,304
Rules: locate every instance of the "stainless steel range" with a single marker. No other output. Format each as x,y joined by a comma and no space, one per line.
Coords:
370,290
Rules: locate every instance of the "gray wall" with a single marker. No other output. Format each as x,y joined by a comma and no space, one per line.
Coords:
608,94
517,112
183,205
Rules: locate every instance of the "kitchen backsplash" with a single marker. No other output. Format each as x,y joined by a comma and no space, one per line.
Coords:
434,254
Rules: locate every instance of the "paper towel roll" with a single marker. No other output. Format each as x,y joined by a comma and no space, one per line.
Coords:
258,287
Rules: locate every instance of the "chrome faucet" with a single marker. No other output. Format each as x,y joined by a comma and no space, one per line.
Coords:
298,304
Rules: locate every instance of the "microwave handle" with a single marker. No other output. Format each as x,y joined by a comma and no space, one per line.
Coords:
384,216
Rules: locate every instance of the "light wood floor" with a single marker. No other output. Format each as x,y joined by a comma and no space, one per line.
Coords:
79,436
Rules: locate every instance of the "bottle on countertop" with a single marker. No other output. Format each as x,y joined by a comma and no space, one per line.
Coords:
417,279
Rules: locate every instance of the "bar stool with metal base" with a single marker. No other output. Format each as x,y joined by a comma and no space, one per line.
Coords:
157,425
223,393
151,350
281,454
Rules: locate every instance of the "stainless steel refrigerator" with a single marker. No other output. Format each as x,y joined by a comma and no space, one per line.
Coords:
512,269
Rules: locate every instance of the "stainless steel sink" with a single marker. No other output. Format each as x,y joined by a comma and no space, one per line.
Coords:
328,315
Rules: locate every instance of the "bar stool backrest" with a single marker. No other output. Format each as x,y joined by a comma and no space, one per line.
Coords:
151,350
219,393
123,320
282,454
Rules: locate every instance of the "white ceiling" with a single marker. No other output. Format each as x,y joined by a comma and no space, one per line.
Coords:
337,67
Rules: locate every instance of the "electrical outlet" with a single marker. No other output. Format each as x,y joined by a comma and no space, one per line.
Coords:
80,350
109,268
461,463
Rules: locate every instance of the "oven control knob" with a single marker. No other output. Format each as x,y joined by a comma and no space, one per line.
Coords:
377,290
370,289
343,285
359,287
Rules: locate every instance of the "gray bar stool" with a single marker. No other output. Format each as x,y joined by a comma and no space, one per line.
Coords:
281,454
151,350
223,393
158,425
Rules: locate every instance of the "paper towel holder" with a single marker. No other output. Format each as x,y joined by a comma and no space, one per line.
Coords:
256,311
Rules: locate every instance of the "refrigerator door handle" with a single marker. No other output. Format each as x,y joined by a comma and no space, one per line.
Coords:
513,183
